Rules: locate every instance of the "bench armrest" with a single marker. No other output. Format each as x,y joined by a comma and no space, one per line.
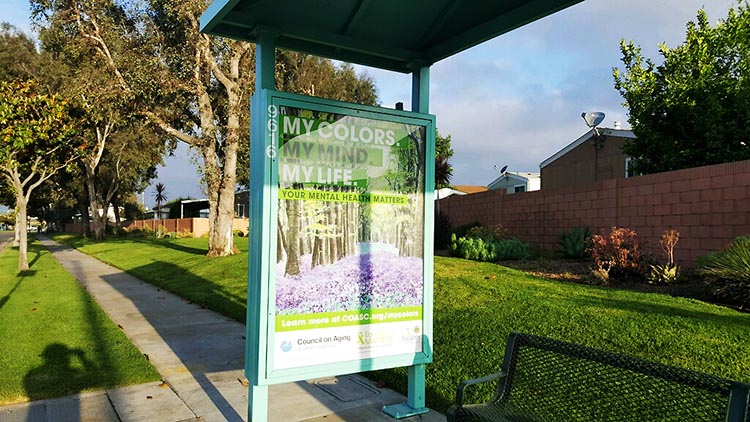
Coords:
463,384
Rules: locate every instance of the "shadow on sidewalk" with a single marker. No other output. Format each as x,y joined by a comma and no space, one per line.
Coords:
195,336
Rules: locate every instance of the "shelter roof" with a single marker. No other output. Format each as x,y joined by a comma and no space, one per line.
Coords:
396,35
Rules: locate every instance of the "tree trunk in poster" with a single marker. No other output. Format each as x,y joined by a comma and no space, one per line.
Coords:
294,214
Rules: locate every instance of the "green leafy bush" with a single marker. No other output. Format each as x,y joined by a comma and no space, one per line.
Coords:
140,232
731,268
488,250
664,274
512,249
733,263
460,231
573,244
488,234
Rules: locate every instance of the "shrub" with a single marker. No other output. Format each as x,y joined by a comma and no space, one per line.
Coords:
238,233
512,249
616,255
112,230
460,231
733,263
664,274
161,232
140,232
573,244
731,268
488,234
184,234
670,272
479,249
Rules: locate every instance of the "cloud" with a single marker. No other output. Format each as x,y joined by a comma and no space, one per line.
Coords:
517,99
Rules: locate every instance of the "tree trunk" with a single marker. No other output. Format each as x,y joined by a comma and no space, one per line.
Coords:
221,181
116,209
316,253
292,253
221,240
21,224
17,232
94,205
85,220
280,244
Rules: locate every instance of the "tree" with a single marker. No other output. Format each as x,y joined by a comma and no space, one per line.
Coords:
314,76
443,153
694,108
443,169
37,139
160,196
443,172
18,56
443,145
194,87
116,133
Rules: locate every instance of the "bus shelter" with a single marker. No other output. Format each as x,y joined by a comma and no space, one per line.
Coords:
340,275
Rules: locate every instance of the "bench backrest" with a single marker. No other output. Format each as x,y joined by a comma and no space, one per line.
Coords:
567,381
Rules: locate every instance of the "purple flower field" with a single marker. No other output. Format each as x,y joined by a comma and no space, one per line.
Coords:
376,280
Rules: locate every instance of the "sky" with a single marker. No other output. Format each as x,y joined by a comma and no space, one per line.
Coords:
515,100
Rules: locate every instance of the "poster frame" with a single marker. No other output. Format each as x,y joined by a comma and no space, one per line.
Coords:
262,245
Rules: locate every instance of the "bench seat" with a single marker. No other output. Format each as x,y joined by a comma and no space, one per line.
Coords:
550,380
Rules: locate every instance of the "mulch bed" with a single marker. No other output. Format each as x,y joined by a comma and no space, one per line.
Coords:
690,285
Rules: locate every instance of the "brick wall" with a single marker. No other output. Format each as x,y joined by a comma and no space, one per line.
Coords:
197,226
710,206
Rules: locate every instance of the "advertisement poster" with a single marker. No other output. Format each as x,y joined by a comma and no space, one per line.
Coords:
349,271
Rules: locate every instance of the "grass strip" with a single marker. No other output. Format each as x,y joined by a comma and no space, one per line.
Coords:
55,339
476,306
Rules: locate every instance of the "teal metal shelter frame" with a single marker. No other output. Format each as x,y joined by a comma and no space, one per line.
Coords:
262,243
405,37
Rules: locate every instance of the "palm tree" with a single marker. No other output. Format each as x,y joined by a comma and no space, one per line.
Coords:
160,196
443,172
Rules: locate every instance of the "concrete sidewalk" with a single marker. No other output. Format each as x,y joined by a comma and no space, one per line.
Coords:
199,354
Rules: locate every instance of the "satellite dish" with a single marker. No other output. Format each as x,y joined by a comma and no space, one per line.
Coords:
502,170
593,119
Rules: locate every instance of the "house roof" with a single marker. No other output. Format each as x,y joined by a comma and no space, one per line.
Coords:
443,193
389,34
470,189
621,133
523,176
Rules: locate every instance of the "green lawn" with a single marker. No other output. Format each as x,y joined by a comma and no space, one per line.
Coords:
55,340
474,312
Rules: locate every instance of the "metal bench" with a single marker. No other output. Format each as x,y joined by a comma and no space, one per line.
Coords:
550,380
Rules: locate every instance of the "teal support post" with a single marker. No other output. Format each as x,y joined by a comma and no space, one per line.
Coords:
265,59
420,90
415,400
257,401
258,256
